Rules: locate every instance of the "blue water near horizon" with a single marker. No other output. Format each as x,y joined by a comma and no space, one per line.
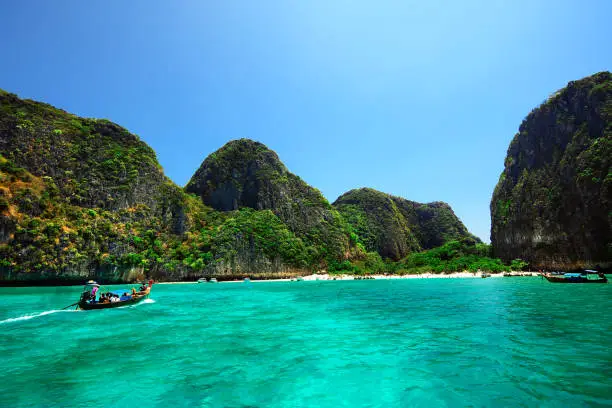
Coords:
399,343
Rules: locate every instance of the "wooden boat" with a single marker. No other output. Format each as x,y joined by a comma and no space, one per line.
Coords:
581,277
86,302
485,275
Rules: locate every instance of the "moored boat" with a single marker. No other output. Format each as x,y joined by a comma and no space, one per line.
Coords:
89,300
212,280
579,277
202,280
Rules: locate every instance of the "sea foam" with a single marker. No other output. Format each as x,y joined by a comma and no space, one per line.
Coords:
32,316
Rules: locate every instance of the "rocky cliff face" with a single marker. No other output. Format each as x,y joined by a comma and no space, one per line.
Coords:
394,226
552,205
74,192
93,163
84,198
245,173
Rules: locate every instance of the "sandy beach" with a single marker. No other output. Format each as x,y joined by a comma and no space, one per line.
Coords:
416,276
329,277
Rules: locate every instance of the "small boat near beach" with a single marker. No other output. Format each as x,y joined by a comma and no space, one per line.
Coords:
588,276
209,280
485,275
117,298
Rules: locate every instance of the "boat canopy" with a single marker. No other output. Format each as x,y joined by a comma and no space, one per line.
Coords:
590,271
572,275
92,283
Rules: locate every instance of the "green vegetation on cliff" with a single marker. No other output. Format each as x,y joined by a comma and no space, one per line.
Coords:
466,254
246,174
552,204
458,256
394,226
84,197
93,162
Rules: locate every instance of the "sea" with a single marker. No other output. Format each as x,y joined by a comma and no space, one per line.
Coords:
497,342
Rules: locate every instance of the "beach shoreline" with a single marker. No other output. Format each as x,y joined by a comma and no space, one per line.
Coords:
345,277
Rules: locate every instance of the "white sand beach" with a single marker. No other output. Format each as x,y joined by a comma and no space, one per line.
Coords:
324,276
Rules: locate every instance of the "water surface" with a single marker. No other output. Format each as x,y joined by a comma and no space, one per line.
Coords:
401,343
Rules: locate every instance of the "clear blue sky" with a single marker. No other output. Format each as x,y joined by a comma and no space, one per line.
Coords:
418,99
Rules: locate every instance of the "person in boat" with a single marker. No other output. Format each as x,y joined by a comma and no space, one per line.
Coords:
94,291
143,287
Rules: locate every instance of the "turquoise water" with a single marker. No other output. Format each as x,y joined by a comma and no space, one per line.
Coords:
430,343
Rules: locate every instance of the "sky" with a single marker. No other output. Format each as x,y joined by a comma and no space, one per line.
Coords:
419,99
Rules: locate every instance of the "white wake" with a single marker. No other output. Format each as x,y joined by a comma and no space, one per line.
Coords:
146,301
32,316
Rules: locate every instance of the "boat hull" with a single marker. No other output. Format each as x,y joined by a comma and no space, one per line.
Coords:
95,306
110,305
561,279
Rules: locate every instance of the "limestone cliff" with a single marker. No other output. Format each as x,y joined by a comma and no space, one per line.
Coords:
394,226
245,173
74,192
552,205
84,198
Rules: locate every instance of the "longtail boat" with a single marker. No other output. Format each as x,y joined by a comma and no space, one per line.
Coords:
580,277
88,299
